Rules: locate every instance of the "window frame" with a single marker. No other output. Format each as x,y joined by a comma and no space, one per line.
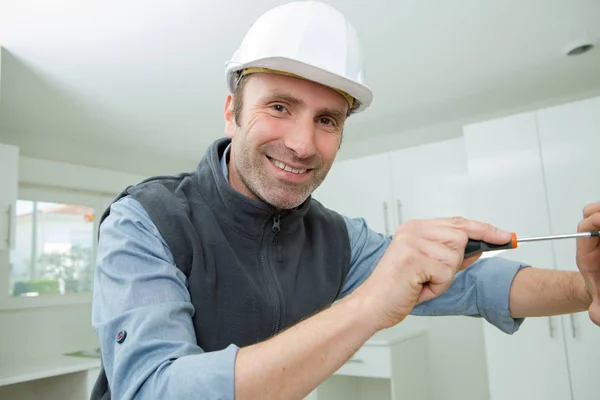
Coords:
98,201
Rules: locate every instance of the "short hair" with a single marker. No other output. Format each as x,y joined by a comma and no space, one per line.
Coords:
238,99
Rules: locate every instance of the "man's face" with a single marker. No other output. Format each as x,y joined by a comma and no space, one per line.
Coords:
288,136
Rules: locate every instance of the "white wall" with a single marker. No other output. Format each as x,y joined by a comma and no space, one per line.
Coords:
37,332
101,155
385,137
34,171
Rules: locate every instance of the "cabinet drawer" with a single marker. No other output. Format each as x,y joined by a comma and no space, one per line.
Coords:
368,361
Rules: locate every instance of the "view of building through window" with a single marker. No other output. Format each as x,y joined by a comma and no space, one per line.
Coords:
54,249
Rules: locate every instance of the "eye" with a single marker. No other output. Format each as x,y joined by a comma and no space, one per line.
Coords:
279,108
326,121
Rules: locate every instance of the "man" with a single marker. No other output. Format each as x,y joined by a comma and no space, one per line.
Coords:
221,283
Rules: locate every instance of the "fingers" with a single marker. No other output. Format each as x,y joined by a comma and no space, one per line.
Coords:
451,257
473,230
591,209
594,312
452,233
478,230
453,238
591,223
435,278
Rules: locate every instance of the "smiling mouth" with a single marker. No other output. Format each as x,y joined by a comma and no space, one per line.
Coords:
285,167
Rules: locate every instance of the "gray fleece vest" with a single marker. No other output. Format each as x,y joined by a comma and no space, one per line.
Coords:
252,271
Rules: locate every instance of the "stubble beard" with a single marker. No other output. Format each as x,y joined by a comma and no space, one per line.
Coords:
281,194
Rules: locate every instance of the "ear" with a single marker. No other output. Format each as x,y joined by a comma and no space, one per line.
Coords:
229,117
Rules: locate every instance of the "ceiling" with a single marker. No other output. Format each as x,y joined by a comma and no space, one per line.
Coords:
139,86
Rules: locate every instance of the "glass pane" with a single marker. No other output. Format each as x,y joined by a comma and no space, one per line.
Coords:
54,249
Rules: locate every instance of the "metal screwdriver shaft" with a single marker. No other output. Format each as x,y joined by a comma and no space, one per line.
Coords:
553,237
478,246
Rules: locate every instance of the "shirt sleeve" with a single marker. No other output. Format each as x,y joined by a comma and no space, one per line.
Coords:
140,292
482,290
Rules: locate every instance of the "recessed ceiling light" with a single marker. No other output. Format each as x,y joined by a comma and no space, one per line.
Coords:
575,50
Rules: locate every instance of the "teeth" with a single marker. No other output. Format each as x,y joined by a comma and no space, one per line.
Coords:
287,168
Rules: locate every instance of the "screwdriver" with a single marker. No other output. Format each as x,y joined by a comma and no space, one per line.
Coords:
479,246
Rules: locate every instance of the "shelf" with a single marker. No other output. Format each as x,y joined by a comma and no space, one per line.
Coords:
388,337
29,370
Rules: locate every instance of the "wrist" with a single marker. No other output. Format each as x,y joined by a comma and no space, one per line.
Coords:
366,310
583,291
588,296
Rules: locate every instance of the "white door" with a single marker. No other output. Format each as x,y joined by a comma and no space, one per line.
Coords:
570,140
507,190
9,177
360,187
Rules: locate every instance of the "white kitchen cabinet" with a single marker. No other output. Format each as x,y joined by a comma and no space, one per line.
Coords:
532,174
507,188
430,181
9,177
392,365
570,140
421,182
362,188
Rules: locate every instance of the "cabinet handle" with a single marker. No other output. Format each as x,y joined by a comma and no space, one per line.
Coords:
9,218
355,360
573,326
399,211
551,327
385,218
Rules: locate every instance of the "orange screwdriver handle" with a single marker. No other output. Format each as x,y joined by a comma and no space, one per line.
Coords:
479,246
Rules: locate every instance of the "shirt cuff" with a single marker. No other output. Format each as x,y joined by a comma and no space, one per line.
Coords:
209,375
494,281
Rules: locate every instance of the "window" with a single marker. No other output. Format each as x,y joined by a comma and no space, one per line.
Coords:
54,249
53,253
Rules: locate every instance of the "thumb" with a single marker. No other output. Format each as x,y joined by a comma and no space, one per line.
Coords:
594,311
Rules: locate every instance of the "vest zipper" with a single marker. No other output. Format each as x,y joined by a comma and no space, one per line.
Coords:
276,229
271,277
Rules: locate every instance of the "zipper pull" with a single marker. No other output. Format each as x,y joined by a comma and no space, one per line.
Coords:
276,227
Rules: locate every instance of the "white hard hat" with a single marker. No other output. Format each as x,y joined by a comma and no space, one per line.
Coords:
308,39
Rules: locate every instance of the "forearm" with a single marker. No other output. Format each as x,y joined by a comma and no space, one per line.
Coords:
293,363
539,292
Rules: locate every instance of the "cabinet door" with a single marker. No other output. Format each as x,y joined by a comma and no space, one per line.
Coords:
507,190
360,187
570,139
9,177
430,181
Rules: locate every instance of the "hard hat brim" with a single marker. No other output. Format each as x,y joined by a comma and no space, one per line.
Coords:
361,92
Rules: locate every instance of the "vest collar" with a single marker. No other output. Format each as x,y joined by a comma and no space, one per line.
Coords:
248,215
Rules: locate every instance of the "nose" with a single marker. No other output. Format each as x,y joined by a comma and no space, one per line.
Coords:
302,139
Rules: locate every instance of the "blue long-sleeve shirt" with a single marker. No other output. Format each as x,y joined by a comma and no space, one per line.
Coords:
139,290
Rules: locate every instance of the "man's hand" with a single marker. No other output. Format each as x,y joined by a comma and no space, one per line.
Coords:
420,264
588,257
